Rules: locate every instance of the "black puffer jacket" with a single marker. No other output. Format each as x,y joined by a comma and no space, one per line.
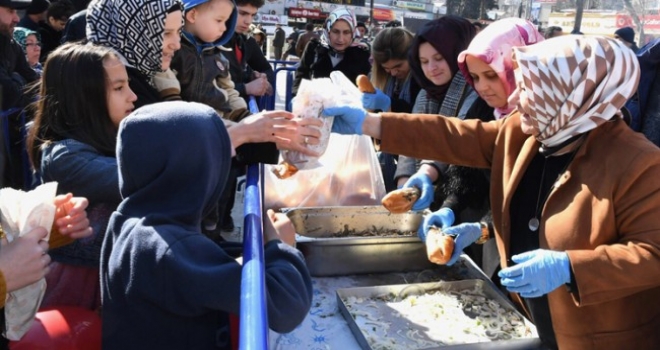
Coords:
252,60
316,63
15,74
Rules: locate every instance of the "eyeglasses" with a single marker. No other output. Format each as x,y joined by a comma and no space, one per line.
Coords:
32,44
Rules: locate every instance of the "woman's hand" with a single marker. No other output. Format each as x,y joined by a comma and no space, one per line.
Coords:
24,260
71,217
279,127
279,227
423,182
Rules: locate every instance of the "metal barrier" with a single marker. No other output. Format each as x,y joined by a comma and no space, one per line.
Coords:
253,332
290,67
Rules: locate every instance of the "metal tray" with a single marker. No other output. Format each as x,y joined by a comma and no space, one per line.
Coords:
397,325
334,243
355,221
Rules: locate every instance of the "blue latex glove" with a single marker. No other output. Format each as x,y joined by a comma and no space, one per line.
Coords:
442,218
423,182
464,235
537,273
348,120
376,101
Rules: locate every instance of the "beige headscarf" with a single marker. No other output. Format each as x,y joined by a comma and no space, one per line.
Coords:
574,83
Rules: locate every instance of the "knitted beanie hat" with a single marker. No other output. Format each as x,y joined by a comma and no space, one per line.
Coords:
626,33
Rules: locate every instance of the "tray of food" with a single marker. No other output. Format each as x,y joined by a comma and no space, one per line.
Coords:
358,239
353,221
467,314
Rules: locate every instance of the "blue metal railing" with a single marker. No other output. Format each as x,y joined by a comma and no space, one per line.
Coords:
253,332
290,67
289,85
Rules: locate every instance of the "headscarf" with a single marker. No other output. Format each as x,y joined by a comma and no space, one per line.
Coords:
340,13
21,34
493,46
133,28
574,83
449,35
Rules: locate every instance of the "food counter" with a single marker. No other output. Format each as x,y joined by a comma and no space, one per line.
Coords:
340,265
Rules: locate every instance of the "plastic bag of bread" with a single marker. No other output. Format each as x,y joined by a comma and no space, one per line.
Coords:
348,173
309,102
20,213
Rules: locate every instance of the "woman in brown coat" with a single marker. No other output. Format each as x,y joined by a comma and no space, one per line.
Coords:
575,193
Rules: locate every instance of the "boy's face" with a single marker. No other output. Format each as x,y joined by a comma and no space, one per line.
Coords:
209,22
246,15
57,24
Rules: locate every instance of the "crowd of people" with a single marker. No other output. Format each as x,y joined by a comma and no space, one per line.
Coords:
523,142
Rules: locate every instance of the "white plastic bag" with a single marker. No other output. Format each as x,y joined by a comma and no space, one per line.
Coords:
309,104
21,212
348,173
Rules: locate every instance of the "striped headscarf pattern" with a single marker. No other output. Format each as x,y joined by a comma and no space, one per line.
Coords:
572,84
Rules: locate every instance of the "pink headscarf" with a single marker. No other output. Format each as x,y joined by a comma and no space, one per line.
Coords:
494,45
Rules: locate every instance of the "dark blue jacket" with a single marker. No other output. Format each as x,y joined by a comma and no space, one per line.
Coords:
649,58
164,284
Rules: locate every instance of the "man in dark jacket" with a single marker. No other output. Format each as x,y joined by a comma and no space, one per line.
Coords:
278,41
291,40
305,38
35,14
249,69
15,74
51,30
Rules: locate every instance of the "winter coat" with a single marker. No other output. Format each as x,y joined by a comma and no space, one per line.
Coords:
164,284
316,63
603,212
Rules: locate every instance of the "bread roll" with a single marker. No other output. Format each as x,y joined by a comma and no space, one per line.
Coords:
284,170
402,200
364,84
439,246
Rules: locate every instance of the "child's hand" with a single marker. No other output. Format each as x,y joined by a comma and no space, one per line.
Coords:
71,217
279,227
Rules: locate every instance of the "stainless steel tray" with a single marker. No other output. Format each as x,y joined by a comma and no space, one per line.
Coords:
357,221
340,241
397,326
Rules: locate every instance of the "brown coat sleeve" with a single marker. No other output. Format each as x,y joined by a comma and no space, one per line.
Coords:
450,140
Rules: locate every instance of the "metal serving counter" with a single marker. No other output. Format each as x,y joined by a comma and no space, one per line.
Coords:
340,262
325,327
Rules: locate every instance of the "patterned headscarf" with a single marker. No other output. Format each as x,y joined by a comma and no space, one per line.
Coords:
449,35
493,46
21,34
574,83
340,13
134,28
